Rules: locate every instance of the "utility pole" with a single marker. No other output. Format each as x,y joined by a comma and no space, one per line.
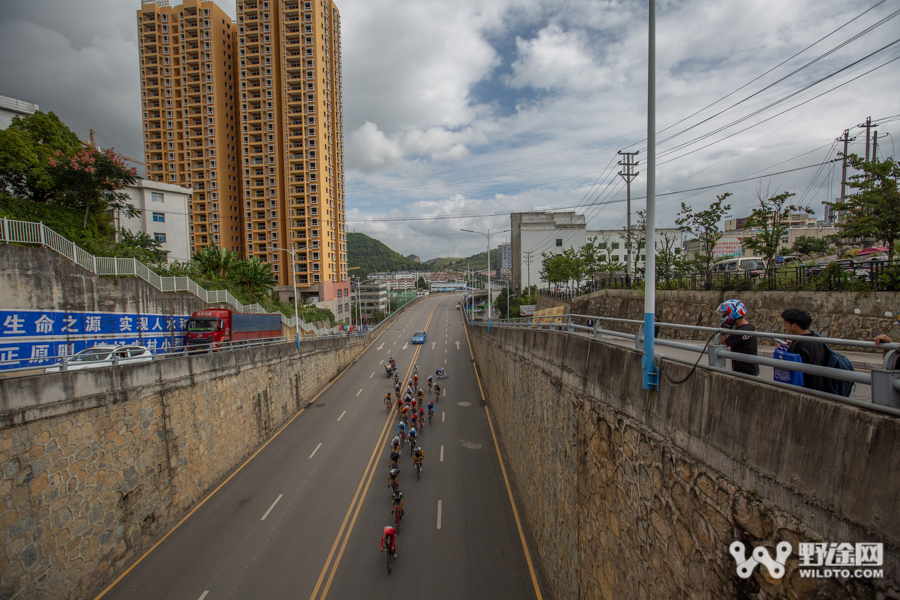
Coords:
875,147
846,139
528,260
868,125
628,174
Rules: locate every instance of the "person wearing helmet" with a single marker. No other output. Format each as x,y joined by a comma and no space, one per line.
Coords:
419,457
394,477
401,430
390,534
732,314
395,459
421,414
397,502
412,436
395,443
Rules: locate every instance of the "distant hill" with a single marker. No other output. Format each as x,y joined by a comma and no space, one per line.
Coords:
372,256
476,262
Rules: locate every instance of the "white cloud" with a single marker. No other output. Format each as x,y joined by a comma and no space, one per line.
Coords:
555,60
368,149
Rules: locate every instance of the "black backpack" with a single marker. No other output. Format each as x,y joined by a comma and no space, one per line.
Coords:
835,360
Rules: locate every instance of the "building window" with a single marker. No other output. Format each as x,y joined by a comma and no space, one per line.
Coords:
159,217
160,237
559,242
156,197
615,257
615,246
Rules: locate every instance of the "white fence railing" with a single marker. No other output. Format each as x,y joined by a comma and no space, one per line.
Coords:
29,232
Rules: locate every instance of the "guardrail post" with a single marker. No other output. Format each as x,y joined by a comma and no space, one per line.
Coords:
639,338
598,335
6,229
883,391
569,327
41,229
714,359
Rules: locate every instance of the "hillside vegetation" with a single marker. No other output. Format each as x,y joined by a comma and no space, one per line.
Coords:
372,256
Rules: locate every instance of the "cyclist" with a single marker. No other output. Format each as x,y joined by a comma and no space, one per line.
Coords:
395,459
421,414
389,534
387,400
419,457
388,369
413,404
407,398
395,443
409,385
414,420
396,377
416,381
409,390
394,477
416,369
437,392
404,413
397,389
439,373
397,502
393,364
421,395
430,382
401,430
412,436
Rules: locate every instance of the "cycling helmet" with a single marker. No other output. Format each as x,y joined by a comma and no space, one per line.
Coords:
412,431
418,448
730,311
396,439
398,495
395,472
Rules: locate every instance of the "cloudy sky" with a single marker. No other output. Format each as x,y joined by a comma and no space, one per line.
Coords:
458,113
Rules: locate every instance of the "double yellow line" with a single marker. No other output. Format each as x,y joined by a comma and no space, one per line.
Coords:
358,498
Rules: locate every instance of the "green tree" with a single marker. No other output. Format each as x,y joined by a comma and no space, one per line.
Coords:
141,246
636,239
669,262
704,225
215,264
92,180
555,268
874,210
26,148
806,245
254,276
769,222
421,284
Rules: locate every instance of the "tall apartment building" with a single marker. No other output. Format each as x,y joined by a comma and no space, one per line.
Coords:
189,88
291,143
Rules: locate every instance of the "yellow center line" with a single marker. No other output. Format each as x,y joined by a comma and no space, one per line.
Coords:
381,442
244,464
534,581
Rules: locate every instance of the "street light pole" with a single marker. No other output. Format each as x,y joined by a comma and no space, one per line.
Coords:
294,281
488,236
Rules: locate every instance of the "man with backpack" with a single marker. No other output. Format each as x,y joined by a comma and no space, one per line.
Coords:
797,322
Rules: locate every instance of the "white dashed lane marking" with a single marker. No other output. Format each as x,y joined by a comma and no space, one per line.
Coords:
316,450
263,517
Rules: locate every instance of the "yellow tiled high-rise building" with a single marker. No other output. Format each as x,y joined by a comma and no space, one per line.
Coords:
291,143
189,95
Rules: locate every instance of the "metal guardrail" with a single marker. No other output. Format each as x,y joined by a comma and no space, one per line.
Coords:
29,232
884,382
62,360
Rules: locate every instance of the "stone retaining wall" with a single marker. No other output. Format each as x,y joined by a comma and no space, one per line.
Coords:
835,314
633,494
88,482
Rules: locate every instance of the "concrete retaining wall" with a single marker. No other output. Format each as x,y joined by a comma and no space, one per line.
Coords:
632,494
89,480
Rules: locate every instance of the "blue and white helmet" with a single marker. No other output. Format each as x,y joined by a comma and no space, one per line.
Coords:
730,311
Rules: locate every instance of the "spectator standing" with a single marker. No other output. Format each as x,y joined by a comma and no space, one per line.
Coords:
797,322
733,316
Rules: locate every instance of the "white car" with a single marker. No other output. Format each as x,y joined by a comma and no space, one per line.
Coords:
105,355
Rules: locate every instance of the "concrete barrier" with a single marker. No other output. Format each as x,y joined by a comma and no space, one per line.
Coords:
637,494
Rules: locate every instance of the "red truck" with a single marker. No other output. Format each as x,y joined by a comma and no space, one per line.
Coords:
210,329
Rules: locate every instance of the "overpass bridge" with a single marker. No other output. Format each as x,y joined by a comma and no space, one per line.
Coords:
548,472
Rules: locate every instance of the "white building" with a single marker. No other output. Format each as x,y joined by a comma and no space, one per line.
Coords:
505,256
13,107
612,243
373,297
163,216
534,233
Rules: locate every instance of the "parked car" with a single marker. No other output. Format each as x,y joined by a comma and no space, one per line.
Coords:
819,267
104,355
419,337
748,264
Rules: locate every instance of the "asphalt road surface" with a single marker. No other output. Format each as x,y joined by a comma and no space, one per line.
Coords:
304,517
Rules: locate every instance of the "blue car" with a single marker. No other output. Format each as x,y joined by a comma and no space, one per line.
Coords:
419,337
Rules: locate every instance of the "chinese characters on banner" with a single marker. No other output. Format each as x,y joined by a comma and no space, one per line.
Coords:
35,337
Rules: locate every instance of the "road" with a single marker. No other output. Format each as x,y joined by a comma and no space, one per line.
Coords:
304,517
